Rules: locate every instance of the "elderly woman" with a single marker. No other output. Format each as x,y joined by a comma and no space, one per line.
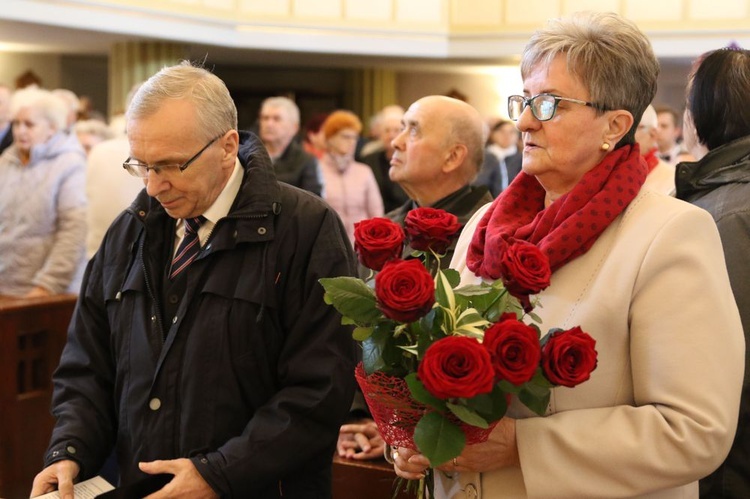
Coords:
42,200
349,187
717,130
641,272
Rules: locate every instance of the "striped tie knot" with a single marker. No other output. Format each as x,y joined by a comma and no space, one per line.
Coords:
189,247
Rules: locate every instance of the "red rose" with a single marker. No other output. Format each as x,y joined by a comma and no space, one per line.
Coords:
525,270
456,366
431,229
405,290
376,241
569,357
514,349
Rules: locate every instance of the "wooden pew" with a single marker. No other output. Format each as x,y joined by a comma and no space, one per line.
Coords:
32,336
363,479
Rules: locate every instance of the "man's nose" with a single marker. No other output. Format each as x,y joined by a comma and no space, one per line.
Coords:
155,184
398,142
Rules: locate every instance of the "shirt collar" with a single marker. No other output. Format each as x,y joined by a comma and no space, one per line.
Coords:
224,201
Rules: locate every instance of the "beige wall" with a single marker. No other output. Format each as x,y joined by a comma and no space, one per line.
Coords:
46,66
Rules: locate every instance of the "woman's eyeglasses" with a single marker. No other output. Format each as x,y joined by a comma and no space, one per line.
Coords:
543,106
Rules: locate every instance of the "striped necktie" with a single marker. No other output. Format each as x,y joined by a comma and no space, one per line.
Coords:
189,247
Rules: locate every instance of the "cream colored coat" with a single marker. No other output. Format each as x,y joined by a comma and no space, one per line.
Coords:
660,410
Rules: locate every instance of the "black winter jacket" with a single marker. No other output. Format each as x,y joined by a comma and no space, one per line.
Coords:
251,378
720,184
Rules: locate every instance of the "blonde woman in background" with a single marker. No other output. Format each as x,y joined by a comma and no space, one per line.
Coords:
42,200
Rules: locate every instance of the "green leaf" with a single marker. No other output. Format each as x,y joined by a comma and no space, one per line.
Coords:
362,333
372,350
346,321
453,277
539,384
438,439
491,406
444,291
421,395
471,323
473,290
352,298
508,387
534,402
468,416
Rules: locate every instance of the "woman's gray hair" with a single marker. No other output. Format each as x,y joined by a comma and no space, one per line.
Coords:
608,54
216,110
51,107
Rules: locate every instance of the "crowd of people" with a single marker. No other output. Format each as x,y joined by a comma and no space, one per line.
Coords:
201,345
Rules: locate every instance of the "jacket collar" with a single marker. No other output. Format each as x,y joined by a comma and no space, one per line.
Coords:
729,163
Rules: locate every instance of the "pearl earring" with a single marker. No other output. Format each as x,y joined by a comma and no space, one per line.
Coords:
605,146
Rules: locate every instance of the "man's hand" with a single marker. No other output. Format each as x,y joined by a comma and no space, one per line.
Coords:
360,440
187,482
60,476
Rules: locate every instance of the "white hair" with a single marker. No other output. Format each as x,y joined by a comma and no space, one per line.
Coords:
50,106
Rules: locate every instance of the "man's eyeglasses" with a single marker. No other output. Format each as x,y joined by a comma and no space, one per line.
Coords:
543,106
139,169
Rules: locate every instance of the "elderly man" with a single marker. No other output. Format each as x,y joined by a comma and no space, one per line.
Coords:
201,347
437,155
389,125
278,125
660,173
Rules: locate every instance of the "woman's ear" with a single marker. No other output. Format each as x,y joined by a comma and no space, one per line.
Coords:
619,123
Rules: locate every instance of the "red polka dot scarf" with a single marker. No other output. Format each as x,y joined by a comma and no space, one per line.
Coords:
568,227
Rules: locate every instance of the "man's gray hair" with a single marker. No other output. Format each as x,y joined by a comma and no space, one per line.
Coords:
217,113
608,54
285,103
50,106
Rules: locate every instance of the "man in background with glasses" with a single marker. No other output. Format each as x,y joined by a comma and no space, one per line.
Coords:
201,347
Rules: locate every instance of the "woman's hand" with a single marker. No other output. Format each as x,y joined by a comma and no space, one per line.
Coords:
499,451
360,440
409,463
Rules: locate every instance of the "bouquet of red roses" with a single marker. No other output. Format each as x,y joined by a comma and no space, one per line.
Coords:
440,362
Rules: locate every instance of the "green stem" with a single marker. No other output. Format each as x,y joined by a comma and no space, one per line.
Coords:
492,303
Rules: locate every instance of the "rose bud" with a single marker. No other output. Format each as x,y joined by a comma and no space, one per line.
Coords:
376,241
431,229
569,357
456,366
405,290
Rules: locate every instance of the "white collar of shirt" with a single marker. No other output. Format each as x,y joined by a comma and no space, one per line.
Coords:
216,211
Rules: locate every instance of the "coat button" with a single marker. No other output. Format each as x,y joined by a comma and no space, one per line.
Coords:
204,460
153,318
70,449
118,296
55,453
174,319
154,404
261,230
173,299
